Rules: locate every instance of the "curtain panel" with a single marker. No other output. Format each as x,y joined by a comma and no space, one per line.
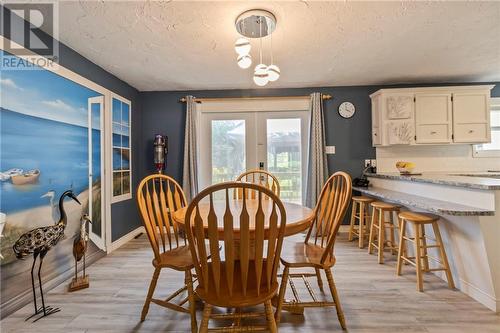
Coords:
190,169
317,166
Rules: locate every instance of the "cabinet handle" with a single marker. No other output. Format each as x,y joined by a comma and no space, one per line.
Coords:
433,132
374,134
471,131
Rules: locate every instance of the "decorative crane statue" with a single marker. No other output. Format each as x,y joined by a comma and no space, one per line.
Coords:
38,242
79,250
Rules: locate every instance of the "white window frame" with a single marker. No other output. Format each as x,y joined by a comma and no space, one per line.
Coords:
207,110
126,196
476,152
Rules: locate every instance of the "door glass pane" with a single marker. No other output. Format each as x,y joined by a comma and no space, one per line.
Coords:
228,149
284,156
96,169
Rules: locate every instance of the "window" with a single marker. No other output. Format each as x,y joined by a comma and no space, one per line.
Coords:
491,149
121,149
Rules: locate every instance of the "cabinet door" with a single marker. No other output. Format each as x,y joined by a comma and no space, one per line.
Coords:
471,121
433,118
399,106
376,134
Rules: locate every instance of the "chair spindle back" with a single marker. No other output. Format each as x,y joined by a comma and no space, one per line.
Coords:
329,212
158,197
251,253
259,177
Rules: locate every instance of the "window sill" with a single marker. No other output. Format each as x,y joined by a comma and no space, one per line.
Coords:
120,198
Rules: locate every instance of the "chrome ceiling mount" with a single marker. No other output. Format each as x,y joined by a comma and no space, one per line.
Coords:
256,23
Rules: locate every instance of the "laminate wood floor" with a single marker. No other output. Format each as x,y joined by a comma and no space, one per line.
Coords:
373,298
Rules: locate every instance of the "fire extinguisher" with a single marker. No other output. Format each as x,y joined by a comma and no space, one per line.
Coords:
160,153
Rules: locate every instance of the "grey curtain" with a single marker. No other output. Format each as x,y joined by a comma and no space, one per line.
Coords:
190,171
317,166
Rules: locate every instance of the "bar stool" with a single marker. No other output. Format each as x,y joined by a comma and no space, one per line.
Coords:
421,258
360,212
378,226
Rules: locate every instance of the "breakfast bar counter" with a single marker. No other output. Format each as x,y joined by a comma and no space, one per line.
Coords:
469,206
474,180
439,207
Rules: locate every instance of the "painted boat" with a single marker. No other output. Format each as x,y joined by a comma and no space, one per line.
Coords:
6,175
26,178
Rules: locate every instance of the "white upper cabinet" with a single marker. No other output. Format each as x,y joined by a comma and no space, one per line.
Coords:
433,115
433,118
471,116
376,134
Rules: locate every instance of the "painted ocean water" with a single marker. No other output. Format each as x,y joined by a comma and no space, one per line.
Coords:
59,150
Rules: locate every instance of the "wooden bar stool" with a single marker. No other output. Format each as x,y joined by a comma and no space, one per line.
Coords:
360,212
421,257
378,226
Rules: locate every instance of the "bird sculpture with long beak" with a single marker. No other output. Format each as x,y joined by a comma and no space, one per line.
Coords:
38,242
79,249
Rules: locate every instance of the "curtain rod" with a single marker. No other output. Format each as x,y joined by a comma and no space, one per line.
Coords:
212,99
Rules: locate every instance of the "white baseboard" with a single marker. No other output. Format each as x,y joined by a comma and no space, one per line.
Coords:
479,295
125,239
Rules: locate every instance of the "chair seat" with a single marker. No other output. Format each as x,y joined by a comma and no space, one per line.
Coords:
179,259
362,198
236,298
300,254
418,217
385,206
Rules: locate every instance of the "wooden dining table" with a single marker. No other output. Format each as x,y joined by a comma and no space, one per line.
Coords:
298,218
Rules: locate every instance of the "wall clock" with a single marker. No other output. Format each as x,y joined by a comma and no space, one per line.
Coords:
347,110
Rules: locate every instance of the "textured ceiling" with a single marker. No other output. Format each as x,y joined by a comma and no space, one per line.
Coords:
178,45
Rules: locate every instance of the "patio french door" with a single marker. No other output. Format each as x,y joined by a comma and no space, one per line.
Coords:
276,141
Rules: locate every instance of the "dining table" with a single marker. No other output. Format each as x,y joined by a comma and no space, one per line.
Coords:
298,217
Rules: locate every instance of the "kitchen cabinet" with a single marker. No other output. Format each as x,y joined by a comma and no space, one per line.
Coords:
376,135
431,115
471,117
433,118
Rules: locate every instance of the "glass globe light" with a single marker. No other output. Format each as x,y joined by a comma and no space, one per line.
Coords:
260,75
242,46
273,72
245,61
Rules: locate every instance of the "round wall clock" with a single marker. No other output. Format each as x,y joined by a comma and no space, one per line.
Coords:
346,110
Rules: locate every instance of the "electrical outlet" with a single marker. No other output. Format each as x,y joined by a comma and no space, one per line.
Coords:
330,150
368,163
374,163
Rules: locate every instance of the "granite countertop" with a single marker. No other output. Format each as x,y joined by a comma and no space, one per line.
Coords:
474,180
439,207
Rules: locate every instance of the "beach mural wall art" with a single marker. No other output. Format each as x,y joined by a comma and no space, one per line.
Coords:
44,150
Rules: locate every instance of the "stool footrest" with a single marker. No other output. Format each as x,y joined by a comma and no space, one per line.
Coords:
436,269
407,259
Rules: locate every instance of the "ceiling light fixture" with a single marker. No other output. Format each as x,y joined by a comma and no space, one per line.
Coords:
256,23
244,61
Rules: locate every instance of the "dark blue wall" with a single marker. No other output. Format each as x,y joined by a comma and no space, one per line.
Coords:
123,214
163,113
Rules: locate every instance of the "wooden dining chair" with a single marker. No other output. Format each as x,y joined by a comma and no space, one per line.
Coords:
158,196
316,251
260,177
244,274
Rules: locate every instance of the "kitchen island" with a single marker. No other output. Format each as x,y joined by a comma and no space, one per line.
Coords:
469,206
